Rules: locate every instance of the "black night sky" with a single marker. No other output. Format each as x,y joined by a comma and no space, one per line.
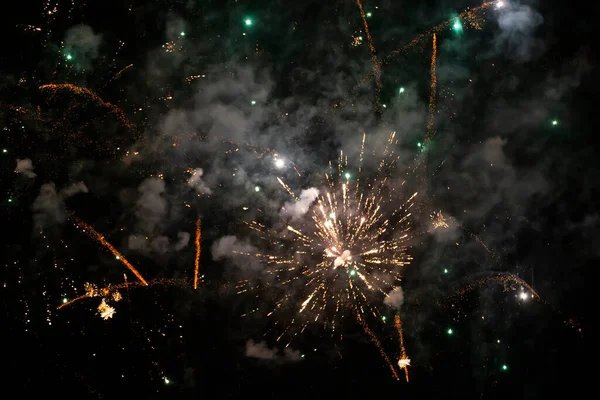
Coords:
143,118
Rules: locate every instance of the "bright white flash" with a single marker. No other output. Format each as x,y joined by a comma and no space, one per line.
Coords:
342,259
279,163
404,362
523,296
499,4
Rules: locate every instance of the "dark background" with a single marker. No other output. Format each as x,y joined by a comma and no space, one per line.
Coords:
526,187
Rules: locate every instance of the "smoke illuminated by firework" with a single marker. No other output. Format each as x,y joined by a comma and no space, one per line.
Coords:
347,249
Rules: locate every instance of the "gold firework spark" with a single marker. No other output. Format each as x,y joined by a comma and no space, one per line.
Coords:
198,250
346,252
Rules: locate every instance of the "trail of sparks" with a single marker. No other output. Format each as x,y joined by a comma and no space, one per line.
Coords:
432,93
98,237
430,117
472,16
500,277
56,88
376,66
112,291
477,239
117,75
377,343
198,250
404,361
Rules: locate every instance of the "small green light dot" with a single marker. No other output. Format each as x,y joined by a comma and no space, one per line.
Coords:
182,34
419,144
69,56
248,22
383,318
555,122
445,270
450,331
401,90
10,200
253,102
504,367
369,15
257,189
347,175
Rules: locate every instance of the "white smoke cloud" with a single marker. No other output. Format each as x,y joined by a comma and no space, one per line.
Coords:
395,298
159,245
183,239
517,24
25,167
197,183
83,43
49,207
297,209
229,247
72,190
262,352
151,207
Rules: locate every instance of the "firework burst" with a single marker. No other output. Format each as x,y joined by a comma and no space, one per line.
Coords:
347,249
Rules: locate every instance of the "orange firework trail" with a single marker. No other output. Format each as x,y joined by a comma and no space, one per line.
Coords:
111,289
98,237
477,239
422,179
404,361
432,94
198,250
376,67
471,16
117,75
431,110
56,88
374,339
498,277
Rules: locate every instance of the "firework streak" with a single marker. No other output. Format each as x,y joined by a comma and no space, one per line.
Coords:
100,239
404,361
432,94
374,339
471,16
376,66
498,277
56,88
198,250
112,291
